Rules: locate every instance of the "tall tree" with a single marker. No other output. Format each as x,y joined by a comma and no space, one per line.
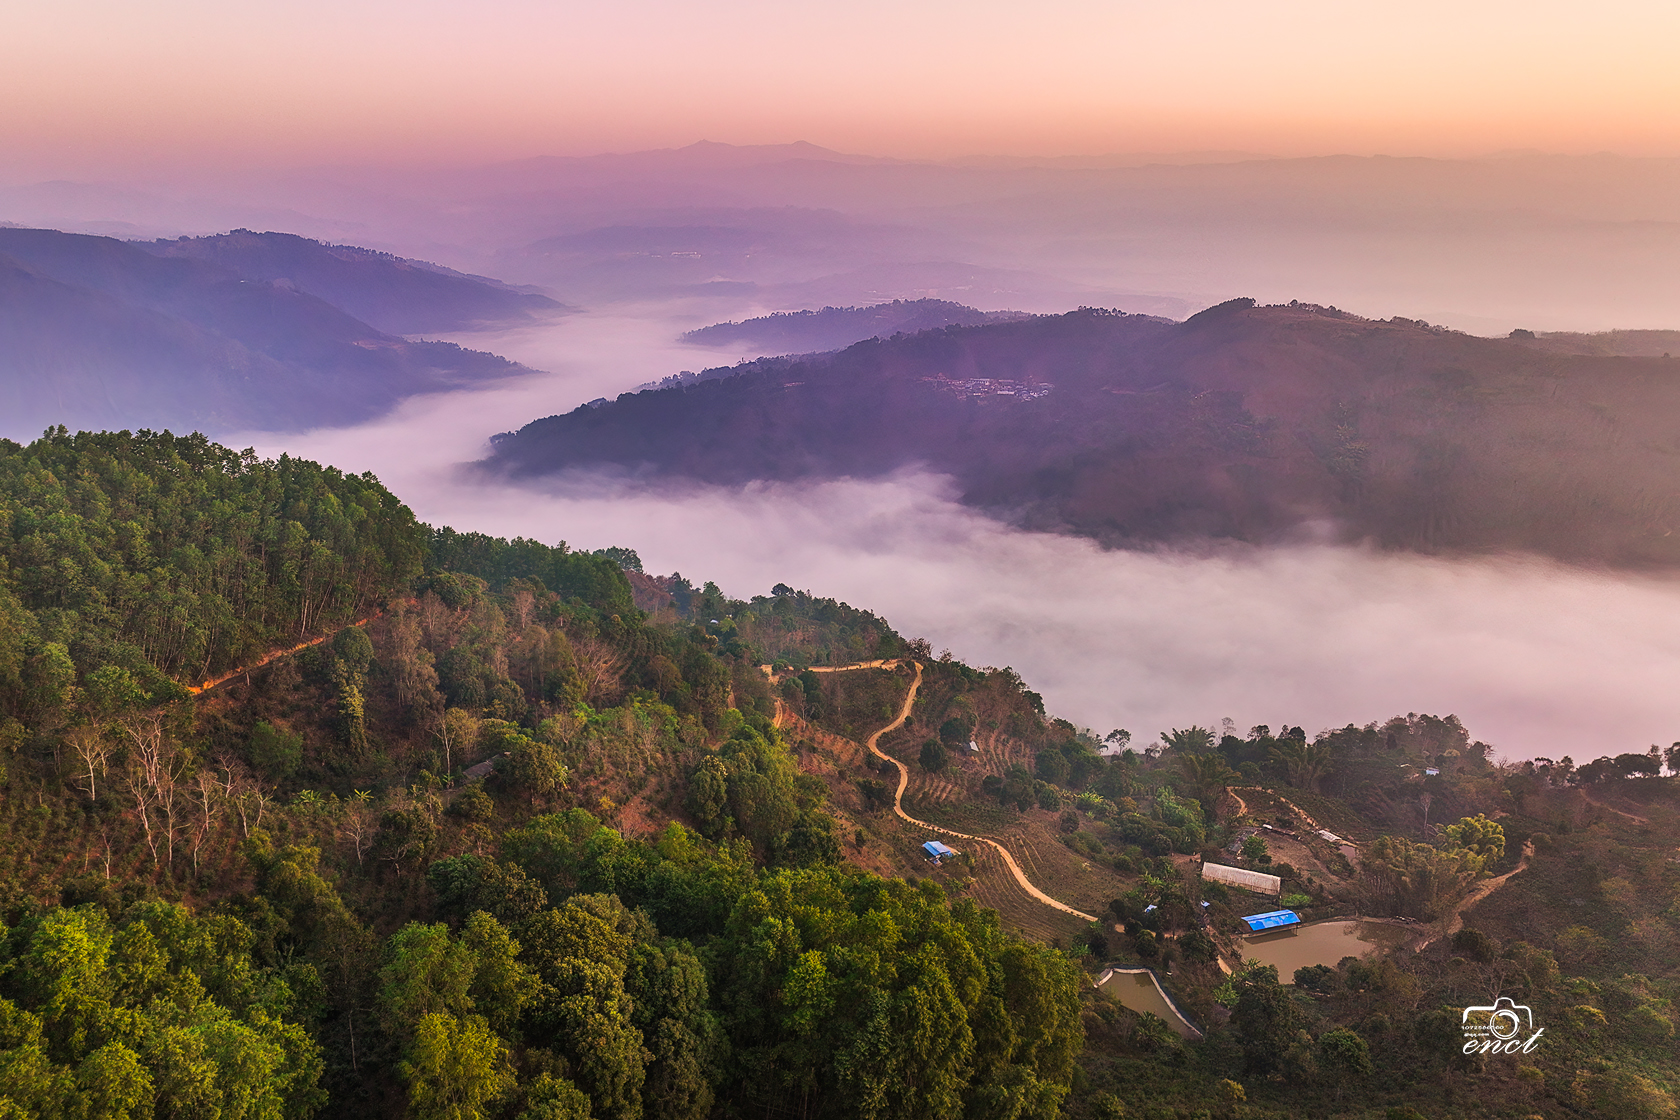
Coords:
456,1069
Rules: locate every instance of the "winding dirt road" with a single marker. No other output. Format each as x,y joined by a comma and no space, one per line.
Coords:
1634,817
904,780
1294,808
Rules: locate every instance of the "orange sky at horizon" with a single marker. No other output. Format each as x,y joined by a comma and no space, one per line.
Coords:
93,85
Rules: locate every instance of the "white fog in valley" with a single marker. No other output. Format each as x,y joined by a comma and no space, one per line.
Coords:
1536,658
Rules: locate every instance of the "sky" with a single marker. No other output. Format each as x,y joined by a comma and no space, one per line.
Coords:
92,86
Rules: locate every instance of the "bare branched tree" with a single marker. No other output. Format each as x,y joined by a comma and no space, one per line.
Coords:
359,824
244,793
412,667
600,666
209,799
93,754
457,733
440,623
152,778
521,604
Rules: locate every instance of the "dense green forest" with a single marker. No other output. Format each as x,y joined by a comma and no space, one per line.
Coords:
310,809
282,897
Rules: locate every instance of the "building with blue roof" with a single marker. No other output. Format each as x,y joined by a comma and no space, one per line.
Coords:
937,851
1272,919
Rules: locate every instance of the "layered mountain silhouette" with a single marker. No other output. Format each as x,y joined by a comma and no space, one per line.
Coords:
96,332
790,332
1242,423
389,293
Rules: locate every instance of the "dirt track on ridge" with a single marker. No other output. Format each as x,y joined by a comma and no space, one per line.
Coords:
904,781
275,656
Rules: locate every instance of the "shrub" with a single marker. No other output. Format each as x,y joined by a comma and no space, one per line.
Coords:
276,751
1475,944
933,757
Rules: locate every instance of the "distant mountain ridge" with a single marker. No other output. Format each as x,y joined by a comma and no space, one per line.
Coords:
390,293
1604,344
1242,423
96,332
834,328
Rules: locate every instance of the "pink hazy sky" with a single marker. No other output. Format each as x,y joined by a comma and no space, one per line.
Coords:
102,84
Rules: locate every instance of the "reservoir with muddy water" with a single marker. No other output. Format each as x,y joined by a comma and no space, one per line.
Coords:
1138,990
1323,943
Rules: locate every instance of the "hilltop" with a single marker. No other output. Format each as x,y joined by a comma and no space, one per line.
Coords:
1242,423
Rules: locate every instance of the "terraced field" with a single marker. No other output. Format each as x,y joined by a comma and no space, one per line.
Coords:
1059,871
994,887
1061,889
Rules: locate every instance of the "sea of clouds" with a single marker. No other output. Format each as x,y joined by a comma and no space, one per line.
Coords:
1535,657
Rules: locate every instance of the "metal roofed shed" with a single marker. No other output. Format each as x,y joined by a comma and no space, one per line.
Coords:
937,851
1272,919
1256,881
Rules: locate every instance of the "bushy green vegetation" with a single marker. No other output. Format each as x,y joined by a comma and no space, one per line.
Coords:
153,1012
792,629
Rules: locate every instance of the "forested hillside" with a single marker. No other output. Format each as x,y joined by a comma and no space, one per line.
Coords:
389,293
1243,423
309,809
433,861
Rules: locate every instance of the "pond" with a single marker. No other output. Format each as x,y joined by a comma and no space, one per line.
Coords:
1138,991
1322,943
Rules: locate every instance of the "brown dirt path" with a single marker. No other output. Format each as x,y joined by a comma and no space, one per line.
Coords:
1479,892
275,656
1634,817
904,780
1294,808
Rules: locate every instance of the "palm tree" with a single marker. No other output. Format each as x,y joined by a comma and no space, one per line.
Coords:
1304,763
1206,775
1192,740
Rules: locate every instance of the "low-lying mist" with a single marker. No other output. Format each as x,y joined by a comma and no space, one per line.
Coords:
1536,658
